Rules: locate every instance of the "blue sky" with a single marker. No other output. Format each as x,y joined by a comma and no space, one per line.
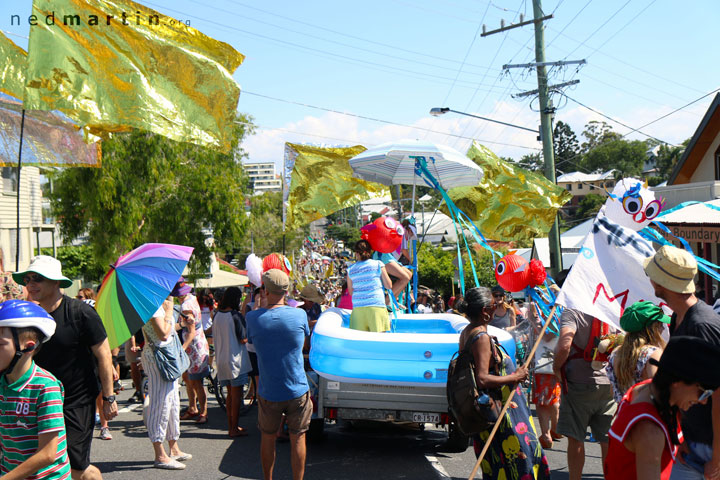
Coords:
393,60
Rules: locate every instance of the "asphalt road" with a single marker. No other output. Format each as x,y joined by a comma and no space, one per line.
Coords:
358,451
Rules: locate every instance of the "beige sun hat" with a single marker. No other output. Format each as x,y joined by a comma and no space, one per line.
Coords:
672,268
312,294
47,266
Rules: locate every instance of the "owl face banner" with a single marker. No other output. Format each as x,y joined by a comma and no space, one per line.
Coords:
608,274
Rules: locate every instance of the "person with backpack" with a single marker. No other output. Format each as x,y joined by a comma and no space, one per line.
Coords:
514,452
231,355
587,396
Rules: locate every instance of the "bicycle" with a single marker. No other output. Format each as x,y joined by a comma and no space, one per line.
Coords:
220,392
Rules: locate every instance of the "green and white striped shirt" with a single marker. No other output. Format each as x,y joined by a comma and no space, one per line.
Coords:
29,407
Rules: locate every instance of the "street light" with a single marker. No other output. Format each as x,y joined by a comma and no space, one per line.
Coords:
437,111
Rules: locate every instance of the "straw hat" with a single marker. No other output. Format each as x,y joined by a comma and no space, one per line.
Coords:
672,268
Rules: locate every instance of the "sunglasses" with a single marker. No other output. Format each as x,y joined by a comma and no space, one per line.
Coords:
499,296
33,278
705,395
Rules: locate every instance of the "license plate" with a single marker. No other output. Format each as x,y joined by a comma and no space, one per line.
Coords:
420,417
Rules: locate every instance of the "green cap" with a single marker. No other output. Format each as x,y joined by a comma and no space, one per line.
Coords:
641,314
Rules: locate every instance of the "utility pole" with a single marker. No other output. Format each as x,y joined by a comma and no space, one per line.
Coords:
546,131
547,111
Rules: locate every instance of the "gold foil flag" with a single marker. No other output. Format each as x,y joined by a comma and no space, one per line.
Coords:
12,68
510,203
112,65
49,139
322,182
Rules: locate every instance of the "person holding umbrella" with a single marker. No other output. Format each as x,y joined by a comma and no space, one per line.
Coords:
163,413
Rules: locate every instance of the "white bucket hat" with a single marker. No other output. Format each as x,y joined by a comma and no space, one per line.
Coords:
47,266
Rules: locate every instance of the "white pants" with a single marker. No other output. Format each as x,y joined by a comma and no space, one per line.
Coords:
163,414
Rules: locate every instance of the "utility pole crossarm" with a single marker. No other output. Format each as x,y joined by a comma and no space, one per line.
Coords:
514,25
550,87
544,64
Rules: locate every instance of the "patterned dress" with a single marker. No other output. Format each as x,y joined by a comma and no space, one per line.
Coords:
514,453
198,350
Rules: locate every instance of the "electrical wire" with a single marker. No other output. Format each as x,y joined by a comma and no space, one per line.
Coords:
345,34
612,119
335,42
599,28
614,35
384,67
379,120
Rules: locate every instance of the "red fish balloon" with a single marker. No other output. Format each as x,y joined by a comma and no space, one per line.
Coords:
515,274
384,234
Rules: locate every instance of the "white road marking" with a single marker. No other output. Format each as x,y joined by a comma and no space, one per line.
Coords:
130,408
437,466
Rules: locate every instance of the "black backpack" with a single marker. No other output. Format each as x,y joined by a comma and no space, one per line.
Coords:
474,410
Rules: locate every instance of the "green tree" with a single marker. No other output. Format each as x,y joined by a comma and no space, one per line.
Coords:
565,145
348,234
152,189
589,205
532,161
626,157
667,158
78,262
597,133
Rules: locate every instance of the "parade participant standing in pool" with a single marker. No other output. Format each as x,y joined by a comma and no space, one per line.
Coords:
504,316
644,433
365,281
514,453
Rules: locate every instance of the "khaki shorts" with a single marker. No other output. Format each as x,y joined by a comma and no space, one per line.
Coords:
586,405
297,414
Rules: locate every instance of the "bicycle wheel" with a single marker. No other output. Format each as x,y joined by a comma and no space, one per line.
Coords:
248,396
219,391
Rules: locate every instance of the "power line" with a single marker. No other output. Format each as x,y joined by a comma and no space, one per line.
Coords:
599,28
354,37
612,119
570,22
611,37
383,67
335,42
388,122
676,110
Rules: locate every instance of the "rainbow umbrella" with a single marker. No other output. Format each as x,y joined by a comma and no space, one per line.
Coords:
136,286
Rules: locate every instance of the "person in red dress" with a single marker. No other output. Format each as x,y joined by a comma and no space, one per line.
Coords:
645,433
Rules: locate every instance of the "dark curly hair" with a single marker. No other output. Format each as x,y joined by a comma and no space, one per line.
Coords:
475,300
363,249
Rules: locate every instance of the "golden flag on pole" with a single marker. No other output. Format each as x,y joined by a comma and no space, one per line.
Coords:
112,65
12,69
510,203
323,183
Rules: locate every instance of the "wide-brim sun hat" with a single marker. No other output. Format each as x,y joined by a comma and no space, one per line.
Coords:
22,314
672,268
312,294
47,266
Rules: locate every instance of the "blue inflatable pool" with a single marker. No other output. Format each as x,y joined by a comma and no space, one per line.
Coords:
417,353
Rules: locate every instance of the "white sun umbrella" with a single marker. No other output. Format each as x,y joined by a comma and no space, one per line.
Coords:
393,163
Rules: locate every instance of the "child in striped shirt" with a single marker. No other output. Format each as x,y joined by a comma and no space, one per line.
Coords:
32,427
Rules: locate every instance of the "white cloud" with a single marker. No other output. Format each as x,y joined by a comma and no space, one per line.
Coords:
337,129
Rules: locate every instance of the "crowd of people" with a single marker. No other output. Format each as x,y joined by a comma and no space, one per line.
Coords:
649,405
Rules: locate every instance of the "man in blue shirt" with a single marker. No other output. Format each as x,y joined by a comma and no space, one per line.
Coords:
278,333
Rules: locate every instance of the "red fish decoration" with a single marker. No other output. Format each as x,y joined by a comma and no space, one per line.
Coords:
515,274
384,234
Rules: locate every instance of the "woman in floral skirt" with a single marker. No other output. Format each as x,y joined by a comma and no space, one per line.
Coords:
514,452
